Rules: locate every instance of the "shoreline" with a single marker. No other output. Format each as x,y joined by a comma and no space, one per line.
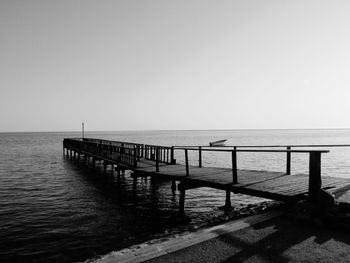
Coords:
187,236
246,210
277,233
162,246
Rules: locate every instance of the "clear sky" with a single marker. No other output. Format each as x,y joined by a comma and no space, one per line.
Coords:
148,65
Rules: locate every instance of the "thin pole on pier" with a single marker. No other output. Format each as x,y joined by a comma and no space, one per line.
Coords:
82,129
200,156
288,161
234,166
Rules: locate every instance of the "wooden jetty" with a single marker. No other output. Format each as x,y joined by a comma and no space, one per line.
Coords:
159,161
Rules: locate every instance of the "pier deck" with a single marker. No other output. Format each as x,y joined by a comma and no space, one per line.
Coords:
158,161
266,184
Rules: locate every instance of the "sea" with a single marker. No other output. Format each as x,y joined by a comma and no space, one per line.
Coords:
54,210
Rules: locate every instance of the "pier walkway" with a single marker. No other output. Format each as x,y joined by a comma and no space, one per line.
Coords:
159,161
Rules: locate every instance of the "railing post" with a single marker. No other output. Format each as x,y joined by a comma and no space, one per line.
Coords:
234,166
153,153
200,156
314,176
288,161
139,152
157,160
172,155
186,161
135,156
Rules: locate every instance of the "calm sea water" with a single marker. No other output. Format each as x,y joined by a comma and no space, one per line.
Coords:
52,210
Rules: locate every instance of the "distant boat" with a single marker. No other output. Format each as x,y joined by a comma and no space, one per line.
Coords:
218,143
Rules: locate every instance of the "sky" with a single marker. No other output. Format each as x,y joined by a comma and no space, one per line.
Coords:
174,65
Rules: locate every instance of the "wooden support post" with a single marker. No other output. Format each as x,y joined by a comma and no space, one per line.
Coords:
228,200
314,177
200,156
182,202
135,188
234,167
93,162
173,186
157,160
186,160
288,161
134,182
172,157
104,168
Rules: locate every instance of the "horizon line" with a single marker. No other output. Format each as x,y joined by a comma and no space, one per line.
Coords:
165,130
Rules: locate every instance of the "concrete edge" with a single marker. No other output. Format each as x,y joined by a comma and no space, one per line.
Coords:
156,248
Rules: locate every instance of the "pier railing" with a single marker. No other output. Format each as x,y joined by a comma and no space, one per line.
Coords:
129,145
288,149
314,163
98,149
161,154
127,153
